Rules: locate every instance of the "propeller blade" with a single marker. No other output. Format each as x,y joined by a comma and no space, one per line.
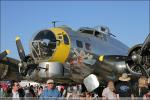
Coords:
20,49
146,45
144,71
3,54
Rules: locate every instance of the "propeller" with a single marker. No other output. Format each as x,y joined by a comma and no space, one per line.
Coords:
139,55
145,54
146,45
4,54
27,63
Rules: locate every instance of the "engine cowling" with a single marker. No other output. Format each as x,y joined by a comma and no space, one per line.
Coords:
136,60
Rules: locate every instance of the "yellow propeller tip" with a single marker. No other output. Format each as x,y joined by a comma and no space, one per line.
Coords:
8,51
101,58
17,38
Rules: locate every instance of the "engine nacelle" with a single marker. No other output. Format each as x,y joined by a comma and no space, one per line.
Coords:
136,60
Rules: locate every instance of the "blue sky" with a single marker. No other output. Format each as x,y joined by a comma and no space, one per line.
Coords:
128,20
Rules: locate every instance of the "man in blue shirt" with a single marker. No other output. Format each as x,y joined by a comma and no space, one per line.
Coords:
50,92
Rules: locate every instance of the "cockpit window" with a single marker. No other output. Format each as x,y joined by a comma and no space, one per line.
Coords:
88,31
97,34
66,40
79,44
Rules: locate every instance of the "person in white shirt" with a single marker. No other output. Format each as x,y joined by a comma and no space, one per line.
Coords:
109,92
15,93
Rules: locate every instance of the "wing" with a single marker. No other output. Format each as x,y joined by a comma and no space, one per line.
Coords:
9,69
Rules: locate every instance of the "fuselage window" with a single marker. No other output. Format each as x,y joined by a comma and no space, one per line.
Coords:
87,46
66,40
88,31
79,44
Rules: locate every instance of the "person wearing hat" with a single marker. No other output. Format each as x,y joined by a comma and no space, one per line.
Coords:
50,92
123,86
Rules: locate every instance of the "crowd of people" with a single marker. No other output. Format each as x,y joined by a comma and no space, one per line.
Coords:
123,88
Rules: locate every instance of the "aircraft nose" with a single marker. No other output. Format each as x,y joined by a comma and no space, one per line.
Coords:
63,46
43,45
50,45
